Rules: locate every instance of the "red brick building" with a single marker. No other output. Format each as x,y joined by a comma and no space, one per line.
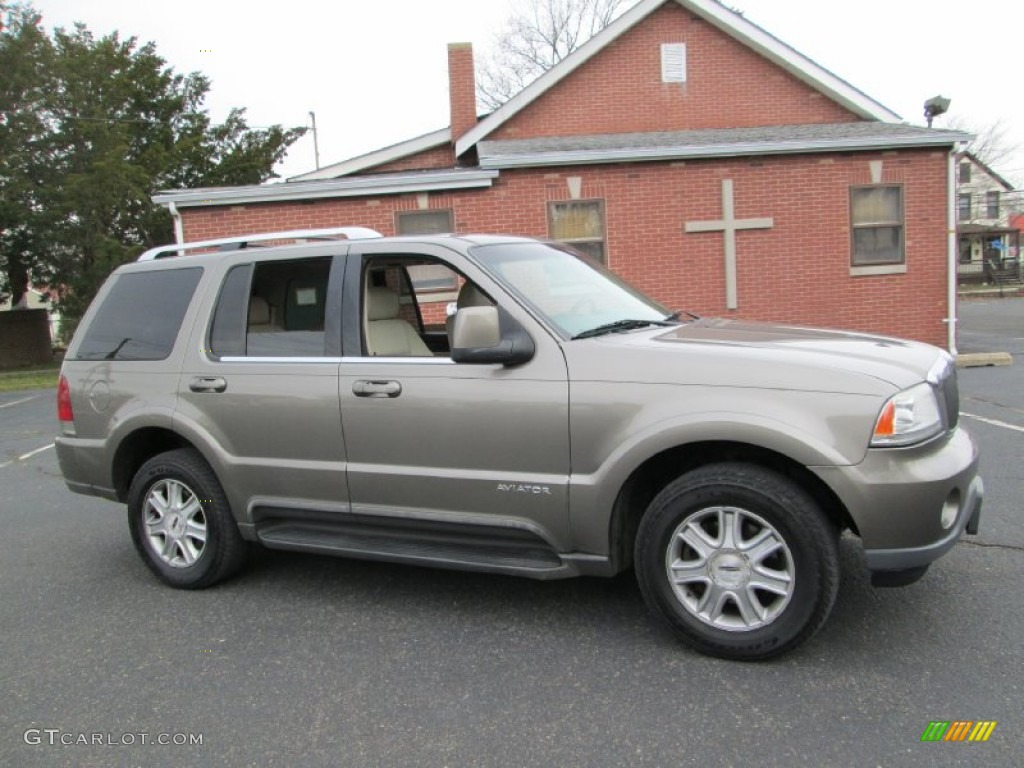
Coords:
699,156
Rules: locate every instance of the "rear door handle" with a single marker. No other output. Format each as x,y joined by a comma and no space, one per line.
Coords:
208,384
364,388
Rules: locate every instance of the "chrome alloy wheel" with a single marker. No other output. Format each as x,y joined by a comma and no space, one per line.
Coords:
730,568
175,523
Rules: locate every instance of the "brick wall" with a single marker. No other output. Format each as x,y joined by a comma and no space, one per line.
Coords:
431,159
620,90
798,271
24,338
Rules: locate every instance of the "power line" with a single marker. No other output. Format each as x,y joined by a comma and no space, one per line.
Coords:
150,122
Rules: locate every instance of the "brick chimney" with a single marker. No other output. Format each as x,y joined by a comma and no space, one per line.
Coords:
461,88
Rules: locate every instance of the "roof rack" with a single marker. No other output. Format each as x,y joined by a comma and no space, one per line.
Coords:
243,241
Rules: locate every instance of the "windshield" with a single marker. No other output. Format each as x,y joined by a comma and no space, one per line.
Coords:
572,291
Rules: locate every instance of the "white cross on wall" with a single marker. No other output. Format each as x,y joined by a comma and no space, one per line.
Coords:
729,224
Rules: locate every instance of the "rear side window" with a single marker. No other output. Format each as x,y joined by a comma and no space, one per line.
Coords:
272,309
141,316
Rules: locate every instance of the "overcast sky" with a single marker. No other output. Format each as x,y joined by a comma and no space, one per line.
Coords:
375,72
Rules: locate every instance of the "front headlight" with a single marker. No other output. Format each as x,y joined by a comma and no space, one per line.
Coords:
909,417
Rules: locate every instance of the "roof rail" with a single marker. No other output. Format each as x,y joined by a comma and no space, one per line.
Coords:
243,241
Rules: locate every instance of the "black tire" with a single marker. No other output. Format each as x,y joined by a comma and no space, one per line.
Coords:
785,575
181,522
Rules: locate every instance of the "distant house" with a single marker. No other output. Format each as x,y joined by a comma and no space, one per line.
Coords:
988,245
692,152
35,298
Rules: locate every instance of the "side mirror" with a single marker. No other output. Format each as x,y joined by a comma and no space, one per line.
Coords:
489,335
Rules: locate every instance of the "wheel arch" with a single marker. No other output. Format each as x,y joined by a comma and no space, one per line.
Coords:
647,480
136,449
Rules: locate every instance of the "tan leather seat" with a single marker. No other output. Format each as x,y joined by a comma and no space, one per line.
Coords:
469,296
259,316
388,335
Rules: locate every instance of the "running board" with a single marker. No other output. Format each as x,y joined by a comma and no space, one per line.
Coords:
441,545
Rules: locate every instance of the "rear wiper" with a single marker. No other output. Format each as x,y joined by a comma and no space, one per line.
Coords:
620,325
112,354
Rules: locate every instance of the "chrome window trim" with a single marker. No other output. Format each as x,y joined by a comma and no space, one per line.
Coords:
300,360
403,359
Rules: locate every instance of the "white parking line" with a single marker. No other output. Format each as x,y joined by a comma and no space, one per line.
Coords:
993,422
28,455
19,402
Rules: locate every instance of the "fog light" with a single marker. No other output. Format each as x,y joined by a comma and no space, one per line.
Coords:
950,510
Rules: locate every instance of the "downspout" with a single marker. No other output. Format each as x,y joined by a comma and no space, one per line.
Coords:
952,250
179,228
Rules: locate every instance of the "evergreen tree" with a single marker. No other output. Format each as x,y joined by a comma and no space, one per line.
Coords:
90,128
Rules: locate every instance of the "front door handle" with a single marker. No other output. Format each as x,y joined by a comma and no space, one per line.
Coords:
364,388
208,384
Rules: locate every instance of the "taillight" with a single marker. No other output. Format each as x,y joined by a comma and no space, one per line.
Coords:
64,412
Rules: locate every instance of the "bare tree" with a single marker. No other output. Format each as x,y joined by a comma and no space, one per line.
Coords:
538,35
992,143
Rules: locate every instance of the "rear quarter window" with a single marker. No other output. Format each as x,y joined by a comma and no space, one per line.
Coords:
140,317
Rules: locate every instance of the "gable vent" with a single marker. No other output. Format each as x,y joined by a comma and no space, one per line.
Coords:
673,62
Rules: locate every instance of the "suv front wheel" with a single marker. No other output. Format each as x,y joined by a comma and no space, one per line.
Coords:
738,560
181,522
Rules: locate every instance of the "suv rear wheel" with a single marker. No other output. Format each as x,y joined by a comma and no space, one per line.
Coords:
738,560
181,522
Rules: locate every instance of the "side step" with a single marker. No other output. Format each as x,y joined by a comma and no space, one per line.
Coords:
442,545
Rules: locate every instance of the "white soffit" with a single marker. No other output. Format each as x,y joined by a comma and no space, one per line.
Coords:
359,186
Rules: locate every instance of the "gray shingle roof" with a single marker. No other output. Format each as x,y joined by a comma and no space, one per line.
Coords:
714,142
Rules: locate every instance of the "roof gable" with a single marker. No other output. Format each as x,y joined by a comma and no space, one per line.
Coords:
858,104
378,157
987,170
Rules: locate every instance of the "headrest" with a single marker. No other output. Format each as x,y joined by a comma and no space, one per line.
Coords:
381,304
259,311
471,296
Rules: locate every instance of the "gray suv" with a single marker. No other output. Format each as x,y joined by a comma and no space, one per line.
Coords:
507,405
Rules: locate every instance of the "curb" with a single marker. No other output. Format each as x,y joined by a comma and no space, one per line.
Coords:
983,359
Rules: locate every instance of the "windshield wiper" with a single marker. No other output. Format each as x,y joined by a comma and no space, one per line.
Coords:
620,325
680,313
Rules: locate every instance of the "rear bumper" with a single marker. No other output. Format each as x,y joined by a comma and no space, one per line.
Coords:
80,462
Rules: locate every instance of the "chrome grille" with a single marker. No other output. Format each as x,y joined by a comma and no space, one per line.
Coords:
942,376
951,398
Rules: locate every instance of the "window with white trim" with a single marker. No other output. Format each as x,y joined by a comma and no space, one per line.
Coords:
964,207
876,223
434,277
579,223
992,204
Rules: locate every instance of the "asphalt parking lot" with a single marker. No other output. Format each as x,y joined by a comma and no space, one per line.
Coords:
316,661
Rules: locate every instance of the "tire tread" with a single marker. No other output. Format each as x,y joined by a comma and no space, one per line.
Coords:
805,516
228,548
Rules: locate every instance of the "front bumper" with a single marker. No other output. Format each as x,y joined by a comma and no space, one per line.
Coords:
902,502
968,520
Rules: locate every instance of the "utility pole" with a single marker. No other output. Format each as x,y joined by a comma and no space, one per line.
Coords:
316,143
